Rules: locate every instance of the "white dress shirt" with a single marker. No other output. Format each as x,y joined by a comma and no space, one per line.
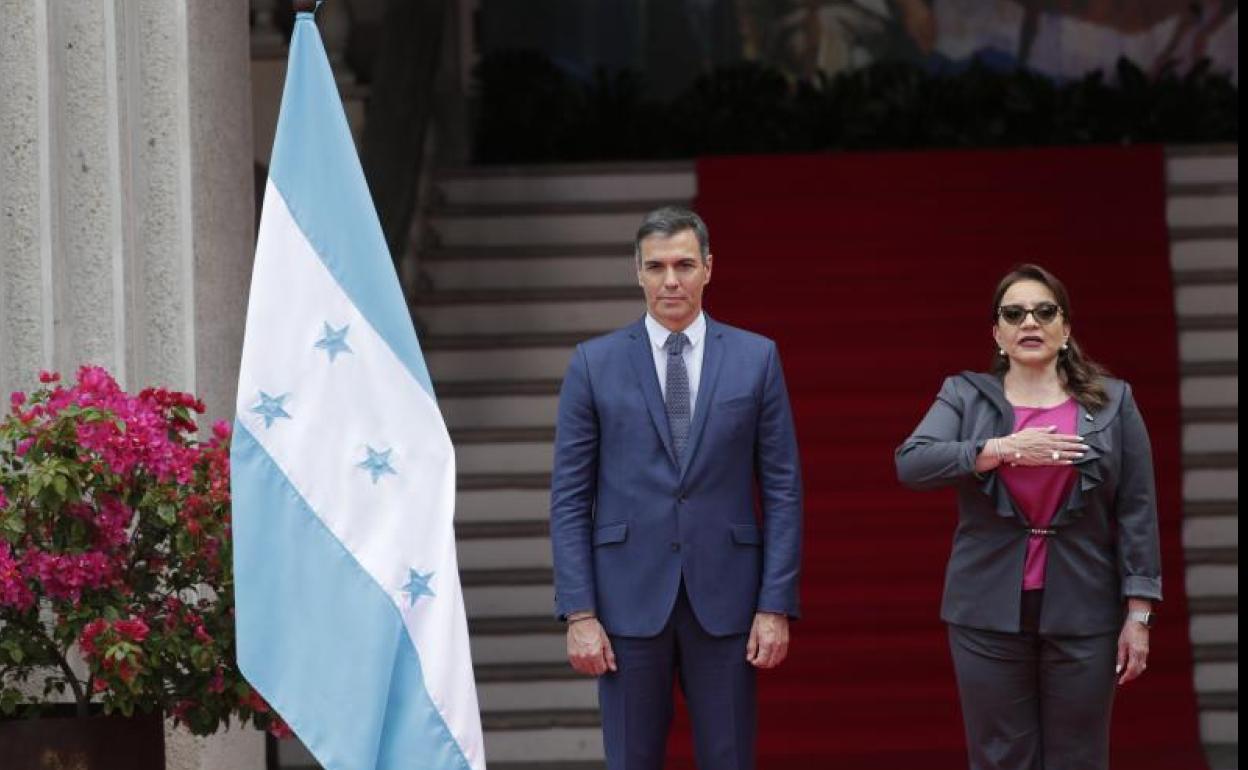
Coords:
696,332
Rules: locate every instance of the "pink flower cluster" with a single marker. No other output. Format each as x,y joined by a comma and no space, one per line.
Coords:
67,575
138,439
14,589
99,634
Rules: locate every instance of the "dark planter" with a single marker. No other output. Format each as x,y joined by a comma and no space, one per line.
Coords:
83,743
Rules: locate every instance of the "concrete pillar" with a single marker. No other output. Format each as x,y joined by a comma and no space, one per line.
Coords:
126,210
126,206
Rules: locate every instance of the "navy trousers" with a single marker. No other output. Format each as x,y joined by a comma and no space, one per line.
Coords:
718,684
1035,702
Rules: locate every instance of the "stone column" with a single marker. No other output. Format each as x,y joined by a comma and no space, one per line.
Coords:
126,206
126,210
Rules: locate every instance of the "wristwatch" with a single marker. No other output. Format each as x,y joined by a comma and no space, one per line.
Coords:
1143,617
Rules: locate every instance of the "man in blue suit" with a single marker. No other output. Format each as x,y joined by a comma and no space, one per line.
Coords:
669,430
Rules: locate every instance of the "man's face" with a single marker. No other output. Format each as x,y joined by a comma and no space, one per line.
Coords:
673,276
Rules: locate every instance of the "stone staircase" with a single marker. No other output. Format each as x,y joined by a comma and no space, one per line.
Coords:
519,266
1202,210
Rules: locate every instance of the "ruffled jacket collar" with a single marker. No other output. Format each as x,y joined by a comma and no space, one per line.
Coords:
1091,426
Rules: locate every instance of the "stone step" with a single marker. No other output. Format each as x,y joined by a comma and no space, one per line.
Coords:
1219,726
546,744
509,601
615,269
510,457
1212,580
518,362
1207,300
1209,392
1220,168
1216,677
598,183
1203,346
596,316
463,228
1210,628
1210,485
489,506
558,694
1211,437
1207,254
492,649
498,411
1211,532
506,553
1202,210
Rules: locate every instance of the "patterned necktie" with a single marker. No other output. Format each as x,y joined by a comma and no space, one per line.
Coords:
677,393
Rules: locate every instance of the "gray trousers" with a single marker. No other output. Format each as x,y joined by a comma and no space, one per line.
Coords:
1033,702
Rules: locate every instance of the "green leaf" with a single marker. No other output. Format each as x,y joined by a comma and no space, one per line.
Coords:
167,513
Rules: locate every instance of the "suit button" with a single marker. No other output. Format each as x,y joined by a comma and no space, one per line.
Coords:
682,499
675,547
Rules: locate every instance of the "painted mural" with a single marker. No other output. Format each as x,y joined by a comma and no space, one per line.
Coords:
1061,38
672,41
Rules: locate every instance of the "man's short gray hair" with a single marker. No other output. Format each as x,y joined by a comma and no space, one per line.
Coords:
668,221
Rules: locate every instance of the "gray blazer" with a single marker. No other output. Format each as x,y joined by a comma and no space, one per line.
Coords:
1103,545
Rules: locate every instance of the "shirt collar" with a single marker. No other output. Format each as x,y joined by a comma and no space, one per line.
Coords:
659,333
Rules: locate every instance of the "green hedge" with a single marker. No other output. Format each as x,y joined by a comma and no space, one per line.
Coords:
530,111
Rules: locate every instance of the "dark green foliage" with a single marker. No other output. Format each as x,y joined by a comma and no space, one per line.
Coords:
531,111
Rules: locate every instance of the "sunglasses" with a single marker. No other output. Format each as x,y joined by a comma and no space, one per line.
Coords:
1045,313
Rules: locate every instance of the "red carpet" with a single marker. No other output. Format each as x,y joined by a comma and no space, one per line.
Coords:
874,273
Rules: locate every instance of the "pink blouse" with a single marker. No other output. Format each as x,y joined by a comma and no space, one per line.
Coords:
1039,491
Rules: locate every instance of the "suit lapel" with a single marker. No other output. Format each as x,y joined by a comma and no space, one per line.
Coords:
642,359
712,357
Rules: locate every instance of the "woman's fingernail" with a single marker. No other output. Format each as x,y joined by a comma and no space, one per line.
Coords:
1118,669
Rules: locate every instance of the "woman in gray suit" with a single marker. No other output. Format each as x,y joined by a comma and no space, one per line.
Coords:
1055,563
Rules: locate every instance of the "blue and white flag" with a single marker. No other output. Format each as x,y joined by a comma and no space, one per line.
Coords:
349,610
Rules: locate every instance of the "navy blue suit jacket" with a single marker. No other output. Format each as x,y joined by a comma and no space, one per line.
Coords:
627,522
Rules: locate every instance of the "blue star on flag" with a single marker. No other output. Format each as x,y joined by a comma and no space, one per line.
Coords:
270,408
334,341
377,464
417,586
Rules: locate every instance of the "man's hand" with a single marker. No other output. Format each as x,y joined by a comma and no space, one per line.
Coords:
769,640
589,650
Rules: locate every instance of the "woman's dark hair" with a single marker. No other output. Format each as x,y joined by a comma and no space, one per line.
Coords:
1080,374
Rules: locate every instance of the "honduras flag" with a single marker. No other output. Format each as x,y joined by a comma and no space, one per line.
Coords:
349,611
